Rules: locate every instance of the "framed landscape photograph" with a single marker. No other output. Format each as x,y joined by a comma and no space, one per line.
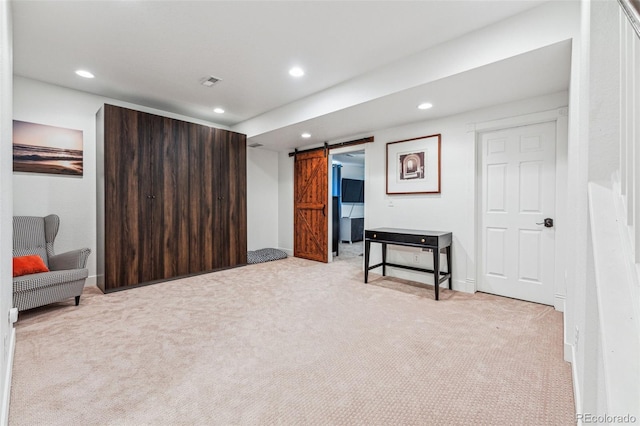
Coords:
413,166
38,148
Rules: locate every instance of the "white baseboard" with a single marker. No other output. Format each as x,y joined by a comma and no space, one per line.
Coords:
7,381
92,280
558,302
568,348
288,251
576,387
465,286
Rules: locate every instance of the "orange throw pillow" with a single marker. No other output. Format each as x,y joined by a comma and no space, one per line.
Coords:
31,264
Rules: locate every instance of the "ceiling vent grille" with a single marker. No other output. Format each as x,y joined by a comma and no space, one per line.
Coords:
209,81
255,145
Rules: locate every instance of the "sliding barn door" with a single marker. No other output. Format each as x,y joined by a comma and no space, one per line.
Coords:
310,206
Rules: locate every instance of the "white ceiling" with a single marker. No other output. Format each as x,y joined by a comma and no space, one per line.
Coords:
154,53
541,71
355,158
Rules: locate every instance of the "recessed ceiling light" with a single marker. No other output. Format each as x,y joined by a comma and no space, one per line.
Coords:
296,72
218,110
84,73
306,135
425,105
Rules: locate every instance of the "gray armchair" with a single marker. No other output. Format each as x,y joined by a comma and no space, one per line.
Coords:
67,273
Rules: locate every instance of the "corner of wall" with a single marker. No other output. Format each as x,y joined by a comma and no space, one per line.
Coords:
7,332
6,386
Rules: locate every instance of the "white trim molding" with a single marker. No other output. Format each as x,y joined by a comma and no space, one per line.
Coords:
468,285
559,302
576,386
560,117
618,330
521,120
288,251
7,382
91,281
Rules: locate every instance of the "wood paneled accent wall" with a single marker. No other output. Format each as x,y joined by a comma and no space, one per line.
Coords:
171,198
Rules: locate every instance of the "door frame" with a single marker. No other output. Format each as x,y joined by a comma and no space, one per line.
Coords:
560,117
344,150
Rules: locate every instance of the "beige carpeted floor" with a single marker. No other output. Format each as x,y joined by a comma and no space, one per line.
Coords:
290,342
347,251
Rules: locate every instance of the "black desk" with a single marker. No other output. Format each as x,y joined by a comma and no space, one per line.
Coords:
433,240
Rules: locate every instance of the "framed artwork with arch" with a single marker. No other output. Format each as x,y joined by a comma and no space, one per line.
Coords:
413,166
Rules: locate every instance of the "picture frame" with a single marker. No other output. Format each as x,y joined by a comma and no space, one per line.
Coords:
40,148
413,166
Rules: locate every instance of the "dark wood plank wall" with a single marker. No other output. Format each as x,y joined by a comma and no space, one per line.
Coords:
220,199
124,174
202,195
237,205
175,198
145,182
170,199
231,177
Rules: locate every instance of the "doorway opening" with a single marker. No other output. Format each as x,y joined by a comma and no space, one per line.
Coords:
348,201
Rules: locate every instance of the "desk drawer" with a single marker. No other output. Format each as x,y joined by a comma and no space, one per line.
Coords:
422,240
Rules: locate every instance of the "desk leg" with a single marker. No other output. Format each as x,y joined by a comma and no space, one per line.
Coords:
449,270
436,271
367,247
384,259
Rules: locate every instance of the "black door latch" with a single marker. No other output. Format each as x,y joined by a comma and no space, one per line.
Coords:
548,223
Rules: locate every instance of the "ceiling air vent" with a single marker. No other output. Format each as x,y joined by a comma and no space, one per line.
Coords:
209,81
255,145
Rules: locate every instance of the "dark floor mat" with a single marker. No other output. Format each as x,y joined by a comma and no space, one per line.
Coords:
265,255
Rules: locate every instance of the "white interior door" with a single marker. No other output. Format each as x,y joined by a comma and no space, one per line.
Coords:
518,193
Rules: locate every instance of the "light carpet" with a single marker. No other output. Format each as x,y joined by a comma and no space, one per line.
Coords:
290,342
347,251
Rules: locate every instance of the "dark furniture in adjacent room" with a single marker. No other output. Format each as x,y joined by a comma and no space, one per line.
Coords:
433,240
351,229
352,191
335,225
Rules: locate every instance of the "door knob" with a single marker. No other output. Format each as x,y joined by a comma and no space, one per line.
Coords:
548,223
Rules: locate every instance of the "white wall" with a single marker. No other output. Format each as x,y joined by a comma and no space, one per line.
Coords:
7,333
601,326
74,198
262,198
451,210
454,208
285,202
352,171
575,268
604,88
550,23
